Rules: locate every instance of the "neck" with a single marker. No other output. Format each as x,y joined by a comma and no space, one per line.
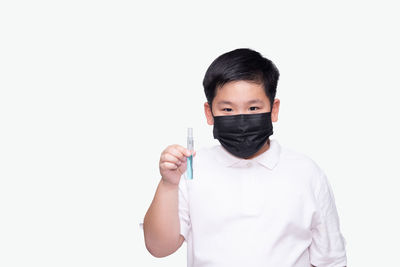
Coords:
264,148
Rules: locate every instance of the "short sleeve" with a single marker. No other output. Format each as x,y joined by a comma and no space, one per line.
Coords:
184,218
328,244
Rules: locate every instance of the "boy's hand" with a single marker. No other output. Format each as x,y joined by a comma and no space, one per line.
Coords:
173,163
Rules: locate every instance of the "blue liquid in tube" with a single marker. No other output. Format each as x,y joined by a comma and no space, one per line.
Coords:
189,160
189,170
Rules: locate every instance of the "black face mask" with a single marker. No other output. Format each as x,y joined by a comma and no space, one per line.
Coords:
244,134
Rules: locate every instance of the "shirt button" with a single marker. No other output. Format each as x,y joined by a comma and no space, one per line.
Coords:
248,164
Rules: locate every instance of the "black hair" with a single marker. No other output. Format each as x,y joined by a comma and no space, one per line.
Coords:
241,64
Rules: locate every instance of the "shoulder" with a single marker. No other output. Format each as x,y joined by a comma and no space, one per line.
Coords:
303,164
296,158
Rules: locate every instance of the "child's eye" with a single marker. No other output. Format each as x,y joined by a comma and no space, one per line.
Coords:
253,108
227,109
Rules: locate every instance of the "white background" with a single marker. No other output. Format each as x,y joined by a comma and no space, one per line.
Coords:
93,91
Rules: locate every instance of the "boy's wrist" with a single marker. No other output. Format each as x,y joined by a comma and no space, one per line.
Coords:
167,184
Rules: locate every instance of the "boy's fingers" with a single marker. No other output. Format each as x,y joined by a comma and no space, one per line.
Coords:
171,158
177,153
183,150
168,165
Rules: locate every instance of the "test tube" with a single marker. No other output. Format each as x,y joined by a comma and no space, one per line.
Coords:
189,160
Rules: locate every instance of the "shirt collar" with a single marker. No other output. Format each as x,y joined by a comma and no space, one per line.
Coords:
268,159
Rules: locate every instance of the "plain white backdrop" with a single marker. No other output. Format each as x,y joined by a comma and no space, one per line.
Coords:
93,91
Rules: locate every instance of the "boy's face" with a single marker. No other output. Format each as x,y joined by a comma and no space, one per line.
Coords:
240,97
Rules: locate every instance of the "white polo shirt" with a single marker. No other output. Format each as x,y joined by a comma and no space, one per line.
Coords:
276,210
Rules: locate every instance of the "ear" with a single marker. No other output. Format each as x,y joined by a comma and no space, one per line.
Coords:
275,110
207,111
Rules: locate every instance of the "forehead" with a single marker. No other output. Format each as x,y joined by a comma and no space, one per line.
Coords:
240,92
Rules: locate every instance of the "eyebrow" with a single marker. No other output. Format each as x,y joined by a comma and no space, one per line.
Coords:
253,101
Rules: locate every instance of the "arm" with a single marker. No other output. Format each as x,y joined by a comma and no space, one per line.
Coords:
328,244
161,225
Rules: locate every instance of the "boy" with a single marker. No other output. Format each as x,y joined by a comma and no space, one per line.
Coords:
252,202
